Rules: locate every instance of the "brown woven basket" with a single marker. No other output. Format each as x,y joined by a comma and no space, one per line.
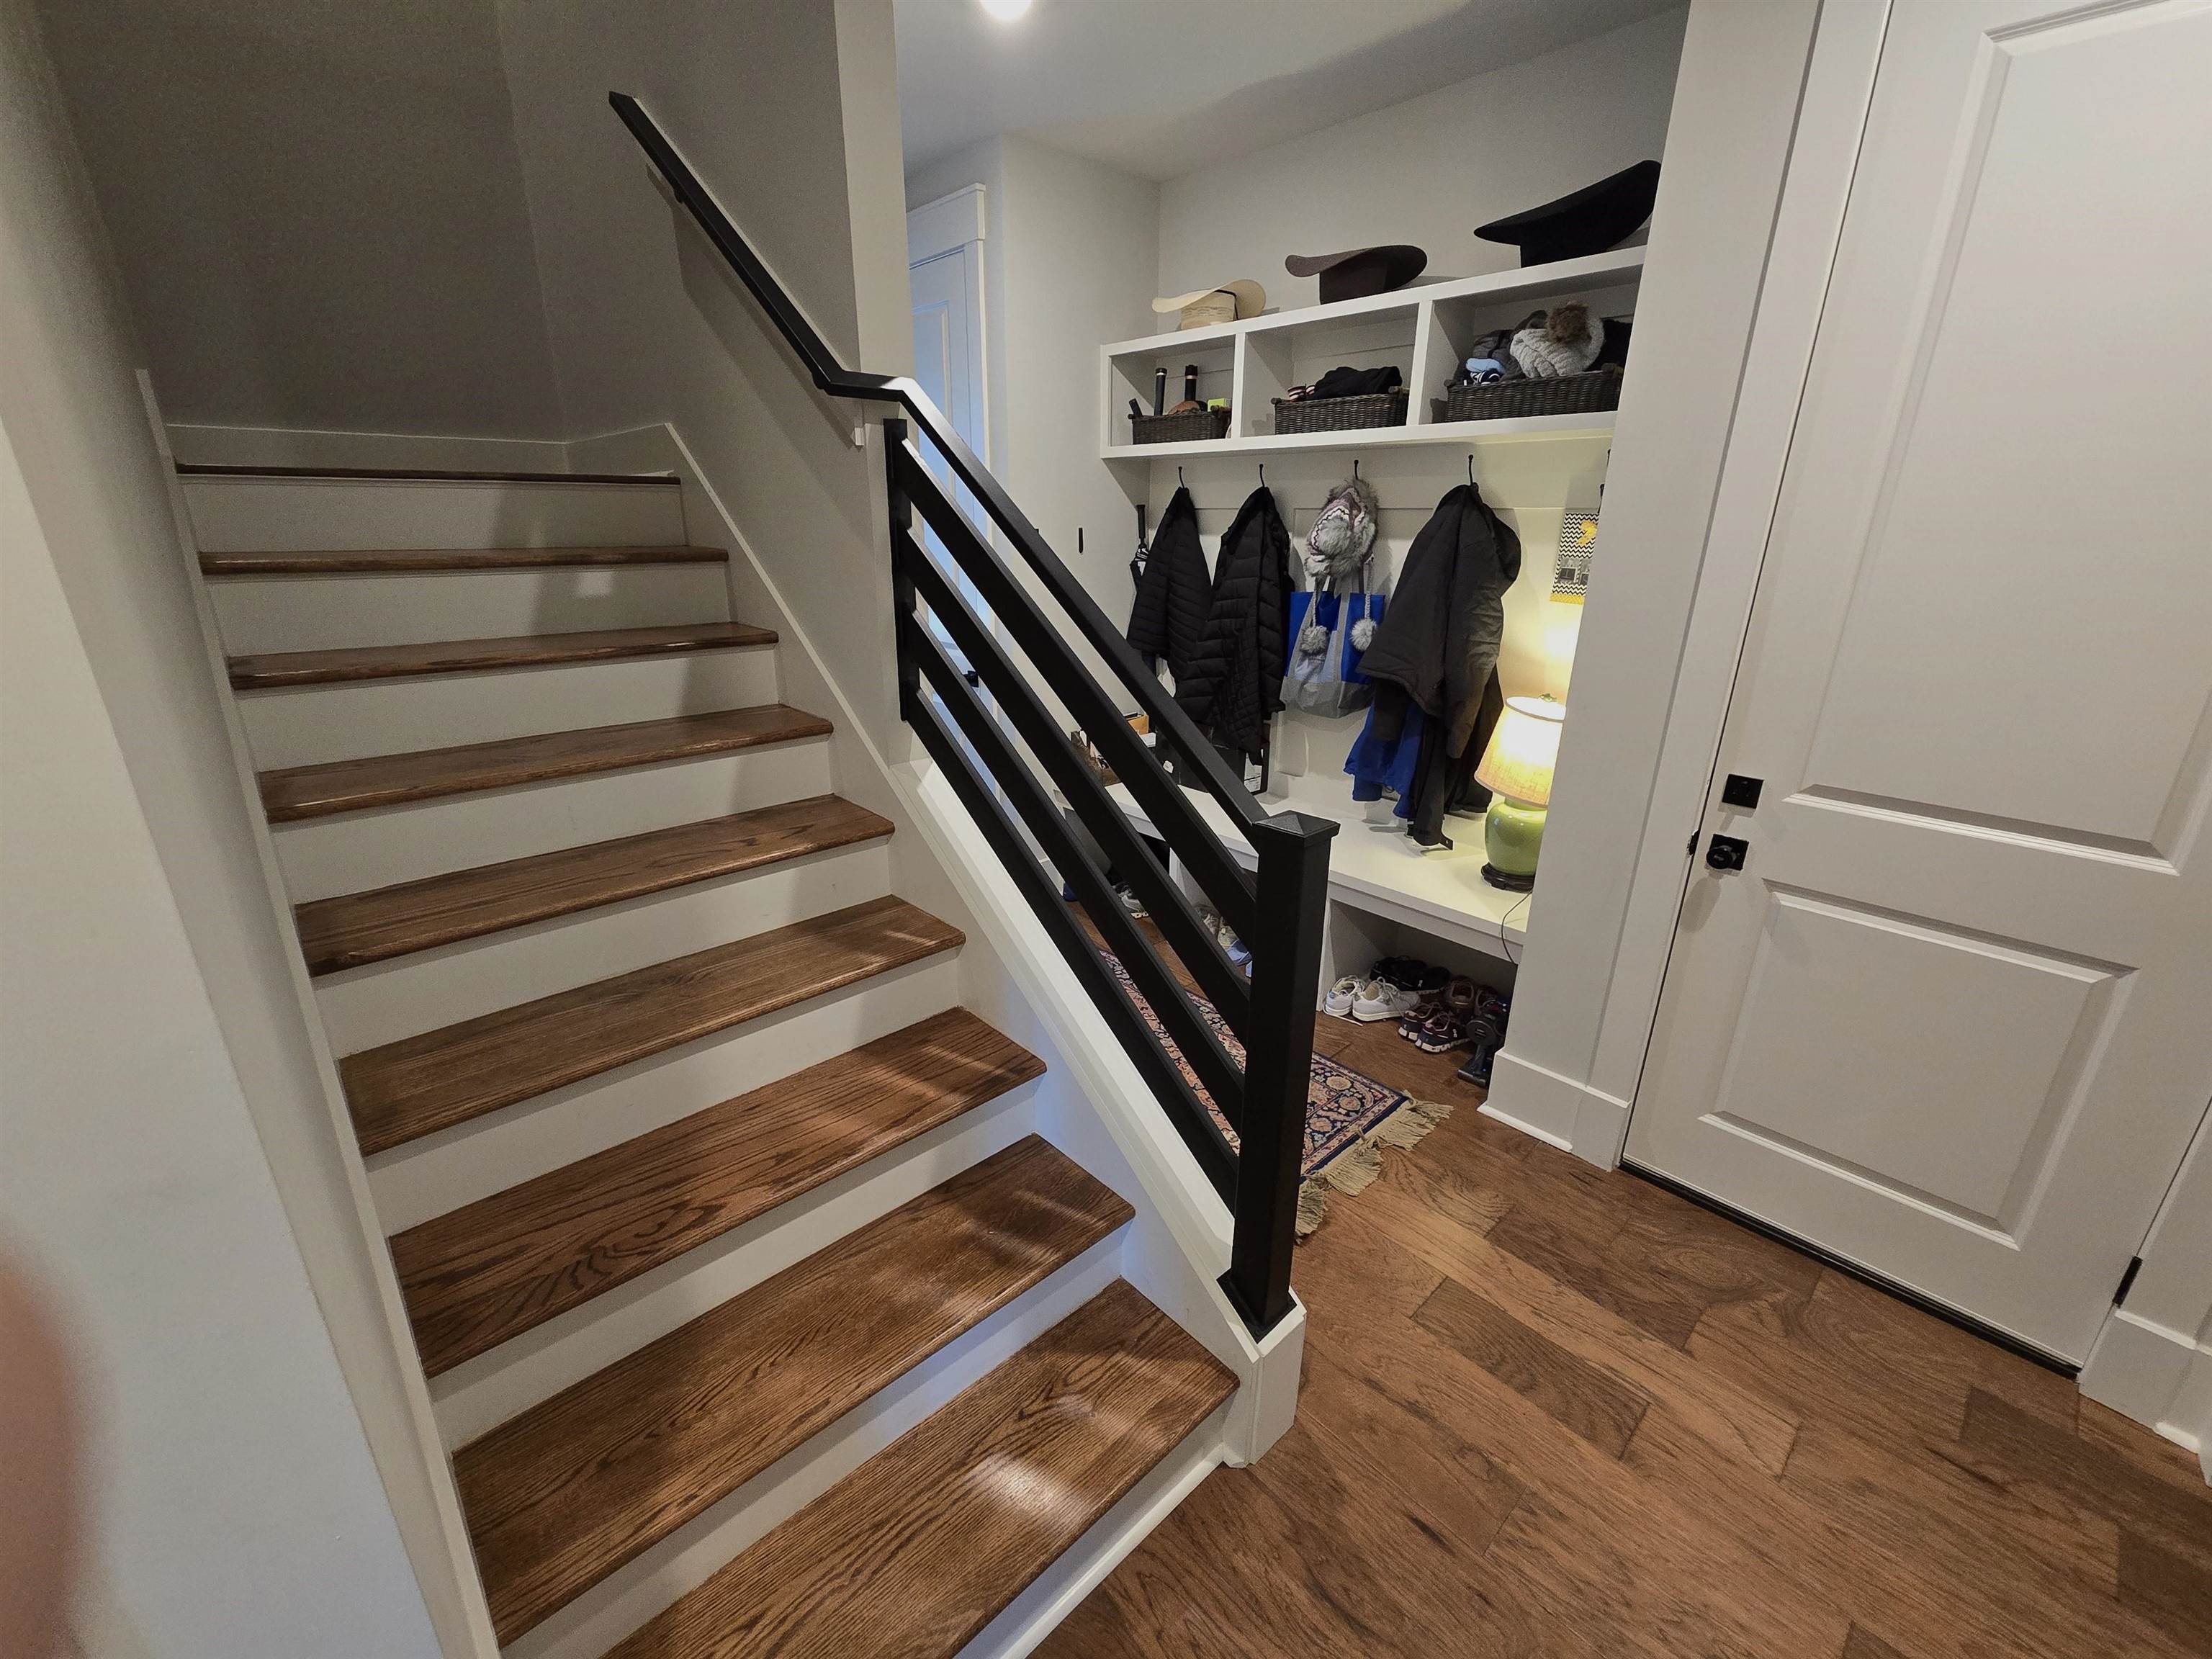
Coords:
1340,413
1562,394
1193,427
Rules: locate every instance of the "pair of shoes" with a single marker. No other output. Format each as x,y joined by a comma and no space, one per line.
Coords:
1486,1033
1341,995
1447,1025
1238,952
1380,999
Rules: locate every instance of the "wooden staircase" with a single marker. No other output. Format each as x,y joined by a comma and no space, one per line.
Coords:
544,997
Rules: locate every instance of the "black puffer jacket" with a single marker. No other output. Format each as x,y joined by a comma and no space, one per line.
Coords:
1173,593
1236,678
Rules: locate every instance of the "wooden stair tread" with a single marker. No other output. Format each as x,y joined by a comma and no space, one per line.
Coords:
425,474
923,1545
560,1495
293,792
494,1269
402,561
431,1081
354,928
380,662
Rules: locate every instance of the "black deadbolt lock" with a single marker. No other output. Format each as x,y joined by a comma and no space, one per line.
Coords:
1741,791
1727,852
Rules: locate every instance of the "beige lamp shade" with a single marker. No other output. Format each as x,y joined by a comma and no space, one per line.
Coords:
1523,749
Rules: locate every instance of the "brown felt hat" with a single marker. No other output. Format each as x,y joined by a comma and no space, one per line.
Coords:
1359,271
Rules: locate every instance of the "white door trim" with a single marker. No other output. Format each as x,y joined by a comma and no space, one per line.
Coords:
1838,91
940,226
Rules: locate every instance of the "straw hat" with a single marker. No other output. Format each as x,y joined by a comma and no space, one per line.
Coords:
1203,306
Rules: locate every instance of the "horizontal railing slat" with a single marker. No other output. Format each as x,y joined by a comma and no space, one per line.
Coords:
1217,1073
1185,931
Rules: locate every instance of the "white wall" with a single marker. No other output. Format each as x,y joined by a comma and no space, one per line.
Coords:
1427,171
236,1509
647,325
318,210
1069,255
1586,977
156,1174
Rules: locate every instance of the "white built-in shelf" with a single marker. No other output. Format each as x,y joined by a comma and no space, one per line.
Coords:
1424,330
1472,434
1374,866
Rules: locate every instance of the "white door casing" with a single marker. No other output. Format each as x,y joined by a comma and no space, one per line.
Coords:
945,273
1954,1021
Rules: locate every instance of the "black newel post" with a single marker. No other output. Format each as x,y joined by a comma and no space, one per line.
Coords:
1292,890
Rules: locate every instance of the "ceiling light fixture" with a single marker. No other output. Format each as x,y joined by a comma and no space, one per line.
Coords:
1004,10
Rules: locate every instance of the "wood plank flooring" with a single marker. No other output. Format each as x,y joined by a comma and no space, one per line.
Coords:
1555,1411
293,792
929,1540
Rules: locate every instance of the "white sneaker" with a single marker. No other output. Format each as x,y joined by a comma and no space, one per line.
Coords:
1379,999
1340,997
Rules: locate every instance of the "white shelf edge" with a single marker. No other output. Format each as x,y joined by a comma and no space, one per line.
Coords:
1614,265
1447,435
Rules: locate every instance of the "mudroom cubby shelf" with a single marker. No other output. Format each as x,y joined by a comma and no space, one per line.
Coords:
1424,330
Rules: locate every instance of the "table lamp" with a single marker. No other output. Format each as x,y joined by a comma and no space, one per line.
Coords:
1517,770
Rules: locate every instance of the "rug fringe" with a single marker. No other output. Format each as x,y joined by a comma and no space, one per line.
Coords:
1354,1171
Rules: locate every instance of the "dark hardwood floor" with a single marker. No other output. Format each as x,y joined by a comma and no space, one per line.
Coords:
1554,1411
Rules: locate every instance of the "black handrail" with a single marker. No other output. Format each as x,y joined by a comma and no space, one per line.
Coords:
1278,914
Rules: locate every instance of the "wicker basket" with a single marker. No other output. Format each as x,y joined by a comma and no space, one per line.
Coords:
1193,427
1340,413
1562,394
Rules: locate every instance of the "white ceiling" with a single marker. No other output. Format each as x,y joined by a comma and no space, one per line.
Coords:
1160,88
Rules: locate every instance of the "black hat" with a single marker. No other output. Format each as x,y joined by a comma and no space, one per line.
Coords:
1590,220
1358,272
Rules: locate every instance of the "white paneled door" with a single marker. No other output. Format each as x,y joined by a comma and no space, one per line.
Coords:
1953,1019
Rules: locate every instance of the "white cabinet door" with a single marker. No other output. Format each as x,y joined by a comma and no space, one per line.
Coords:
1953,1020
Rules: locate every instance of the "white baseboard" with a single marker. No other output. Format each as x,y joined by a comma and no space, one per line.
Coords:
2154,1375
272,446
1558,1110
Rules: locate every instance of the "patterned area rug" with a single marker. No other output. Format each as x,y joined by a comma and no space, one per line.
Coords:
1350,1116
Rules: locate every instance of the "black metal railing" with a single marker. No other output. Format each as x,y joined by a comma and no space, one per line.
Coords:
1276,909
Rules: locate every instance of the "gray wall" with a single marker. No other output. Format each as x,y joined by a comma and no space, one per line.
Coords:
318,208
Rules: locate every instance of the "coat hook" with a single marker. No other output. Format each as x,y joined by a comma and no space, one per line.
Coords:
1181,485
1470,466
1355,468
1263,475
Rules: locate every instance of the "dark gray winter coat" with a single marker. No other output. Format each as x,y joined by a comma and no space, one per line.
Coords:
1175,593
1440,638
1235,679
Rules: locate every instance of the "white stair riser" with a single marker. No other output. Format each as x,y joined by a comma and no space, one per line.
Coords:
300,725
352,851
324,613
386,1001
265,515
457,1166
628,1597
484,1392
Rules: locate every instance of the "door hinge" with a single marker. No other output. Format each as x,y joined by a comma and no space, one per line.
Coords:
2127,1281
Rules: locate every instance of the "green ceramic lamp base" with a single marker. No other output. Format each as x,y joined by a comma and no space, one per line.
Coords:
1512,835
